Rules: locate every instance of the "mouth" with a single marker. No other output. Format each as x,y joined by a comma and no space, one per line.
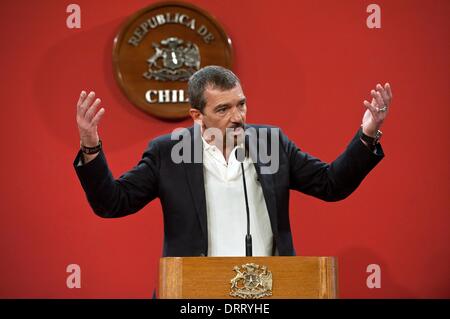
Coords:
235,130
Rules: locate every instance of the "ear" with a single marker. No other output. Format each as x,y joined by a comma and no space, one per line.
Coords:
196,116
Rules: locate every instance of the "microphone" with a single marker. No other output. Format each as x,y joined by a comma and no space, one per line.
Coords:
248,237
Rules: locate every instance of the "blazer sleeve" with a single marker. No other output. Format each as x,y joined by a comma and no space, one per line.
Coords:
334,181
129,193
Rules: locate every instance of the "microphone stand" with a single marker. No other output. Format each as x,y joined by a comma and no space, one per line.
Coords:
248,237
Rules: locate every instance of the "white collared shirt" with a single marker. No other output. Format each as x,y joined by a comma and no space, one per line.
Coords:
225,206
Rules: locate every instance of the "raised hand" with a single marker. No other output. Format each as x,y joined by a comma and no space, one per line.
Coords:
88,118
377,109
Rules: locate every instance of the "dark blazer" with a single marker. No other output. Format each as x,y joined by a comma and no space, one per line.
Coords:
180,187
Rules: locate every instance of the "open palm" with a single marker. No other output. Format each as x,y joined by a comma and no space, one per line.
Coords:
377,110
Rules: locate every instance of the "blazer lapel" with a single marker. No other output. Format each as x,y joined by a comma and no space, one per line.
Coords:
194,176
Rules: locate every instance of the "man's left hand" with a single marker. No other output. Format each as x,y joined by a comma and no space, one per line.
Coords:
377,110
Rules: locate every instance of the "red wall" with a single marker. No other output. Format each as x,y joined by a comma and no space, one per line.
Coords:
305,65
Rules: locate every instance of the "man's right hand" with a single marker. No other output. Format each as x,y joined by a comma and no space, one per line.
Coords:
87,119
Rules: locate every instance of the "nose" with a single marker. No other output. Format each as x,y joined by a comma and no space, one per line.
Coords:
236,115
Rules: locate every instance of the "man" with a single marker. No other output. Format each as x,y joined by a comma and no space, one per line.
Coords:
202,193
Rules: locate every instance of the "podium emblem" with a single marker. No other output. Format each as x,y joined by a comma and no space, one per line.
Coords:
252,281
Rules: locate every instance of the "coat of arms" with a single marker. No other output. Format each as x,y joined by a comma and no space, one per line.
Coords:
173,60
251,282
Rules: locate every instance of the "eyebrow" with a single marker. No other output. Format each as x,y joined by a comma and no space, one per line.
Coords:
243,100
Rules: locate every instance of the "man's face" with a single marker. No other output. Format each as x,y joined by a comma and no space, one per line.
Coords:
224,109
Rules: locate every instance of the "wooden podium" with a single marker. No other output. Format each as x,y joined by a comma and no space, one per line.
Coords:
216,277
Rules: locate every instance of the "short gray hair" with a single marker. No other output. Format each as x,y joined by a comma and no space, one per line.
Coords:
212,75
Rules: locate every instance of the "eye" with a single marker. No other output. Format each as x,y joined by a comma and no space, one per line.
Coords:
222,110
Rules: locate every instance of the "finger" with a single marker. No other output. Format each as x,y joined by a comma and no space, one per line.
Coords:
381,102
98,116
379,88
383,93
87,102
373,109
377,96
387,87
81,98
91,110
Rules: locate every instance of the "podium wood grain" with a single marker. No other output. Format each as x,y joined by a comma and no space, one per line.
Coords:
209,277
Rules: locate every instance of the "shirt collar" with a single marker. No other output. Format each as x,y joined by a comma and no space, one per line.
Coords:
215,152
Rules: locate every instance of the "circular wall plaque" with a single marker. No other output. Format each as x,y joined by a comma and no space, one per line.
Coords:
159,48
